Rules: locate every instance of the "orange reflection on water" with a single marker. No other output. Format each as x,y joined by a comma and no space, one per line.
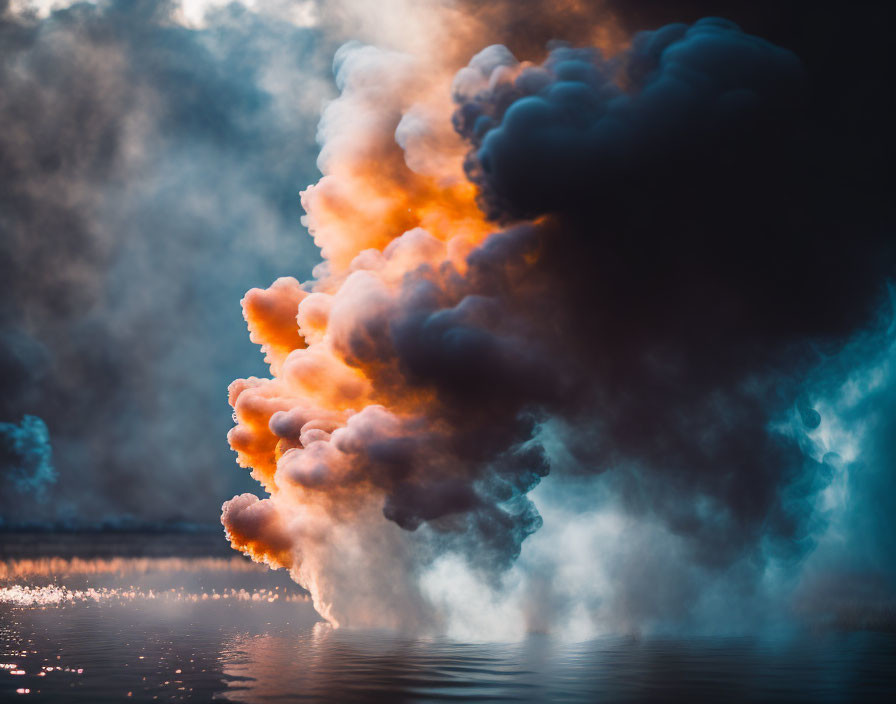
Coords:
58,566
57,595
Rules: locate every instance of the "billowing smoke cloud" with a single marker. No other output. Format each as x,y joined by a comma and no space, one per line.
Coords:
714,256
621,270
584,358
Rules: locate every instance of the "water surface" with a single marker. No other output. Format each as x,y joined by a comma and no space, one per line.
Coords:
155,627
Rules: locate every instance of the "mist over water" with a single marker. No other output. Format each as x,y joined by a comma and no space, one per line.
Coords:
262,652
132,618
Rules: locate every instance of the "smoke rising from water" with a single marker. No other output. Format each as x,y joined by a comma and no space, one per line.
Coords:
614,356
560,363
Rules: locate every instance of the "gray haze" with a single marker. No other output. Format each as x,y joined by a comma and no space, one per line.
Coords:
149,175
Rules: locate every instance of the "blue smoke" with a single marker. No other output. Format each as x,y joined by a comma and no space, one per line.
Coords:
26,457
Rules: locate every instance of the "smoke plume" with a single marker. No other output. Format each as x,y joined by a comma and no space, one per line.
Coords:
599,335
616,277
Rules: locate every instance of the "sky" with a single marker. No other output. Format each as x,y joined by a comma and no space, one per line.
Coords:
577,299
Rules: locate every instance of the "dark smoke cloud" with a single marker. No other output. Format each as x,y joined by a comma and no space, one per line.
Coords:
149,174
698,250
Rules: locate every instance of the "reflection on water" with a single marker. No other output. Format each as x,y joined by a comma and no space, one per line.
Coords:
36,582
115,628
196,629
23,595
320,664
76,566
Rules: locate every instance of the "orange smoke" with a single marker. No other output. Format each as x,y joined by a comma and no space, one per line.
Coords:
393,199
393,202
373,191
